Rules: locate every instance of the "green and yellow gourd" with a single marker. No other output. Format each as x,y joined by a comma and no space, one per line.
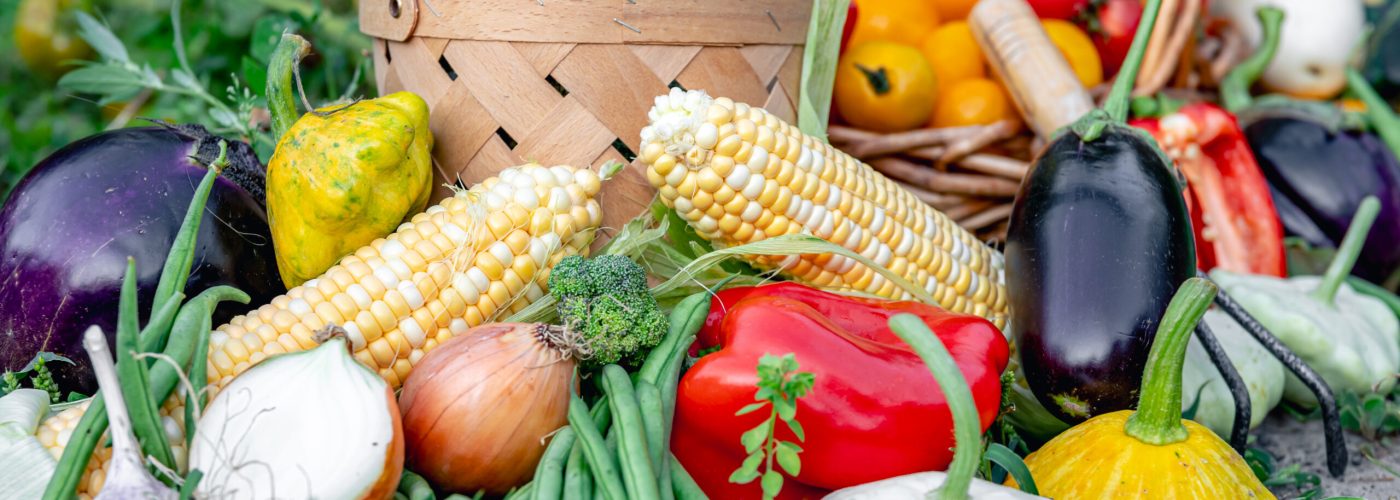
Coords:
1151,452
341,176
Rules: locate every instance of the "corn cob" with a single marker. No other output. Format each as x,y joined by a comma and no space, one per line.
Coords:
738,174
474,258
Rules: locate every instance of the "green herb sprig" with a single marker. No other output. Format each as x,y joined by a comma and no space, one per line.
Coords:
779,386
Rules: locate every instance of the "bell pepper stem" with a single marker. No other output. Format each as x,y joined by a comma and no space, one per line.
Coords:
967,427
281,95
878,79
1382,118
1234,89
1158,417
1349,250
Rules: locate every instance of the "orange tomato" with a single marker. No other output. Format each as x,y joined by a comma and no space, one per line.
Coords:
884,87
899,21
952,10
954,53
975,101
1078,50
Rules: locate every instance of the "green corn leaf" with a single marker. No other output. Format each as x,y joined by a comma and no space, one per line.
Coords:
819,58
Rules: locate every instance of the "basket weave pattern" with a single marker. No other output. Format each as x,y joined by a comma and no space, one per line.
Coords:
504,97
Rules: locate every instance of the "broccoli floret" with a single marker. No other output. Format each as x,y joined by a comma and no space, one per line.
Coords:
569,278
606,303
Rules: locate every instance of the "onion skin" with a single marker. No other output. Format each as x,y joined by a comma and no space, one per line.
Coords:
388,482
477,409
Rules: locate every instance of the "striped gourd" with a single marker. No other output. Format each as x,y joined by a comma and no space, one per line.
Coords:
738,174
473,258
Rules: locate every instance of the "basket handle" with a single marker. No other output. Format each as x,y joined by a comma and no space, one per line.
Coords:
389,19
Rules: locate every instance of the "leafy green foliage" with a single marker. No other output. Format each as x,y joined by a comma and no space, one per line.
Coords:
1307,484
37,374
222,56
779,386
1373,415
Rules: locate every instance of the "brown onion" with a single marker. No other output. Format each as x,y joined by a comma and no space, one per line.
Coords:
476,409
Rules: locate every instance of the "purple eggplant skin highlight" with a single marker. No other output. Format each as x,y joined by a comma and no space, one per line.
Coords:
1326,173
1099,242
69,226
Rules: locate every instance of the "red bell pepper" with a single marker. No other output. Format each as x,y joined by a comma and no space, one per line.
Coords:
1236,226
874,412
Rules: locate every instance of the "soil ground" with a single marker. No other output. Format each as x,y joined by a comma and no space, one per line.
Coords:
1294,442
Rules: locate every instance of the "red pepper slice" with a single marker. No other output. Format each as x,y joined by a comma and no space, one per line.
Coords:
1237,228
874,411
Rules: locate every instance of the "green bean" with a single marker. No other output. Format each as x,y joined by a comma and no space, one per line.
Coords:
522,492
192,322
134,379
649,401
686,319
181,257
63,485
578,481
549,474
684,485
595,451
157,330
413,487
632,455
199,375
601,413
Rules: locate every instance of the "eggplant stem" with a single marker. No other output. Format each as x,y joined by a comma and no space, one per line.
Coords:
1331,419
1348,251
1234,89
1118,97
1239,431
1157,420
1382,118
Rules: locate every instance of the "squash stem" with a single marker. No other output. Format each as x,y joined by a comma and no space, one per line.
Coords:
1234,89
967,428
1348,251
281,95
1158,417
1120,96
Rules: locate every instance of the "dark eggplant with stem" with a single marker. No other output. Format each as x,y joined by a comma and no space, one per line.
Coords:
1099,241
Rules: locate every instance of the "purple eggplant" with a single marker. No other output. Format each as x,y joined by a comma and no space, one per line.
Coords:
69,226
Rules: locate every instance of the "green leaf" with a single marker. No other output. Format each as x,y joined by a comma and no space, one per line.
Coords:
819,60
255,73
101,39
44,357
796,428
184,79
1013,464
102,79
266,33
786,454
787,409
753,407
772,484
747,471
755,437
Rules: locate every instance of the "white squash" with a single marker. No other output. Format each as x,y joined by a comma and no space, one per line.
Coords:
1316,42
1262,373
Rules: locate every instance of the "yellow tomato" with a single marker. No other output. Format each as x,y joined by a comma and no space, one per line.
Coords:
975,101
951,10
1077,48
899,21
884,87
954,54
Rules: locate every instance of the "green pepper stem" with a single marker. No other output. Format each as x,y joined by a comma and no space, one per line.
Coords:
967,427
1382,118
281,95
1349,250
1234,89
1158,417
878,79
1121,94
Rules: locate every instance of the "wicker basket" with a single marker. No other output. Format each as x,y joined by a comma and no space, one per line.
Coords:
570,82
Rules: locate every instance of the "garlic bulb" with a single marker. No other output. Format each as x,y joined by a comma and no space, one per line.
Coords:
313,424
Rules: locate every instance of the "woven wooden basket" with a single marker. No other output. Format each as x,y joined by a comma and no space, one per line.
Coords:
570,82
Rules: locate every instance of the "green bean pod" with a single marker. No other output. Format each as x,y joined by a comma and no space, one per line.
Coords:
683,485
157,330
549,474
649,401
600,462
135,381
578,481
633,457
686,319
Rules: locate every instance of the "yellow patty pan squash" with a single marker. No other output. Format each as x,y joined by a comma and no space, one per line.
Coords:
1151,452
341,176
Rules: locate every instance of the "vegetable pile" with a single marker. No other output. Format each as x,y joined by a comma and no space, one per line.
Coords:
784,322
